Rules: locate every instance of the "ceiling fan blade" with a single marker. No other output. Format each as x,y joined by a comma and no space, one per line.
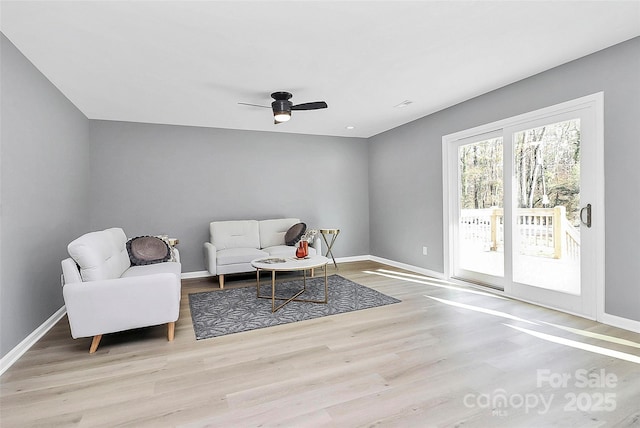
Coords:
254,105
310,106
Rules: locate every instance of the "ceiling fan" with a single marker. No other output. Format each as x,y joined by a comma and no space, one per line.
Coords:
282,107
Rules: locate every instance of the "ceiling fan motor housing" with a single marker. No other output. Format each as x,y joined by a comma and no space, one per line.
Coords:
281,106
281,103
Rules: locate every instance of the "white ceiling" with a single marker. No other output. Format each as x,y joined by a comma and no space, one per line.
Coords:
190,63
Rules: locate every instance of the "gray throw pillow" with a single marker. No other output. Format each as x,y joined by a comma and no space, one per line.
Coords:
294,233
147,250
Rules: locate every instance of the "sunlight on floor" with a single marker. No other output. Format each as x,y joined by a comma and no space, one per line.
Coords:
598,336
483,310
428,281
579,345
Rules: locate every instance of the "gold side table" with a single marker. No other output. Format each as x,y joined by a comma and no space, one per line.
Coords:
334,234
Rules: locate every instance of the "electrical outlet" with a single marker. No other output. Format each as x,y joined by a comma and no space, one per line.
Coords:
424,251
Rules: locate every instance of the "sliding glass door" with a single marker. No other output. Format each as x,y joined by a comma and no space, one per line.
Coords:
520,201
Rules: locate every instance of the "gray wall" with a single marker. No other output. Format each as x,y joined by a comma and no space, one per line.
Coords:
44,187
410,158
163,179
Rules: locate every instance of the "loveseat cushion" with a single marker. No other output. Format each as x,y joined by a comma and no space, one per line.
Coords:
100,255
235,234
272,232
147,250
232,256
285,251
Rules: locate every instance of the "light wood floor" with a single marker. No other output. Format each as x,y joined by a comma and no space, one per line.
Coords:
421,362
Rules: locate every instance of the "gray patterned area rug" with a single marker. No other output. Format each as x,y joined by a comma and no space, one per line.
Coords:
216,313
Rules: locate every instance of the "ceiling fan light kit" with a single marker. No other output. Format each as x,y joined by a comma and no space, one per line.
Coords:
281,116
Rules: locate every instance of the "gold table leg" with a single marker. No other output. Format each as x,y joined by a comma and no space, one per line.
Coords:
292,298
334,234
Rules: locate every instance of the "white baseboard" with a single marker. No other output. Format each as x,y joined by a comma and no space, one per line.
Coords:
351,259
620,322
196,274
416,269
17,352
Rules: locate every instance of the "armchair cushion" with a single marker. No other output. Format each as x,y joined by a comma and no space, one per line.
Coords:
101,255
168,267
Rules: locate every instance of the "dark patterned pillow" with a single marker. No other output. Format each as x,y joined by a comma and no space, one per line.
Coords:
147,250
294,233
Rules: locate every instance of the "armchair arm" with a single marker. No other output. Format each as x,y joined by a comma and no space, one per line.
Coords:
210,258
70,272
108,306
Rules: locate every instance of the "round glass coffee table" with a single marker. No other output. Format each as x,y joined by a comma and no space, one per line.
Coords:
289,264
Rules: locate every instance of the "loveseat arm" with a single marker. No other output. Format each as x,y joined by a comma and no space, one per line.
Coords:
112,305
210,258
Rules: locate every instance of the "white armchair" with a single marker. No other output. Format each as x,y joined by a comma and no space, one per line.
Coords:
104,294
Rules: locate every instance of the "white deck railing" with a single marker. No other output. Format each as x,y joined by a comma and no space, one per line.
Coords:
543,231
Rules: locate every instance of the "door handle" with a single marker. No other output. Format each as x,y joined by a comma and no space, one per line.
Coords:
588,209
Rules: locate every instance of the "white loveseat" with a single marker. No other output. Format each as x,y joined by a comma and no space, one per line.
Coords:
234,244
104,293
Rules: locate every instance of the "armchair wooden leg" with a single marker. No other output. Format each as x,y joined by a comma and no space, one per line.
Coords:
221,281
94,343
171,330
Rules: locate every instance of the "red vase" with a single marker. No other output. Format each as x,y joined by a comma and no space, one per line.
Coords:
302,250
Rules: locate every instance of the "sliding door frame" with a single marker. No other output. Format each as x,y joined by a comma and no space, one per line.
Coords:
450,145
493,281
